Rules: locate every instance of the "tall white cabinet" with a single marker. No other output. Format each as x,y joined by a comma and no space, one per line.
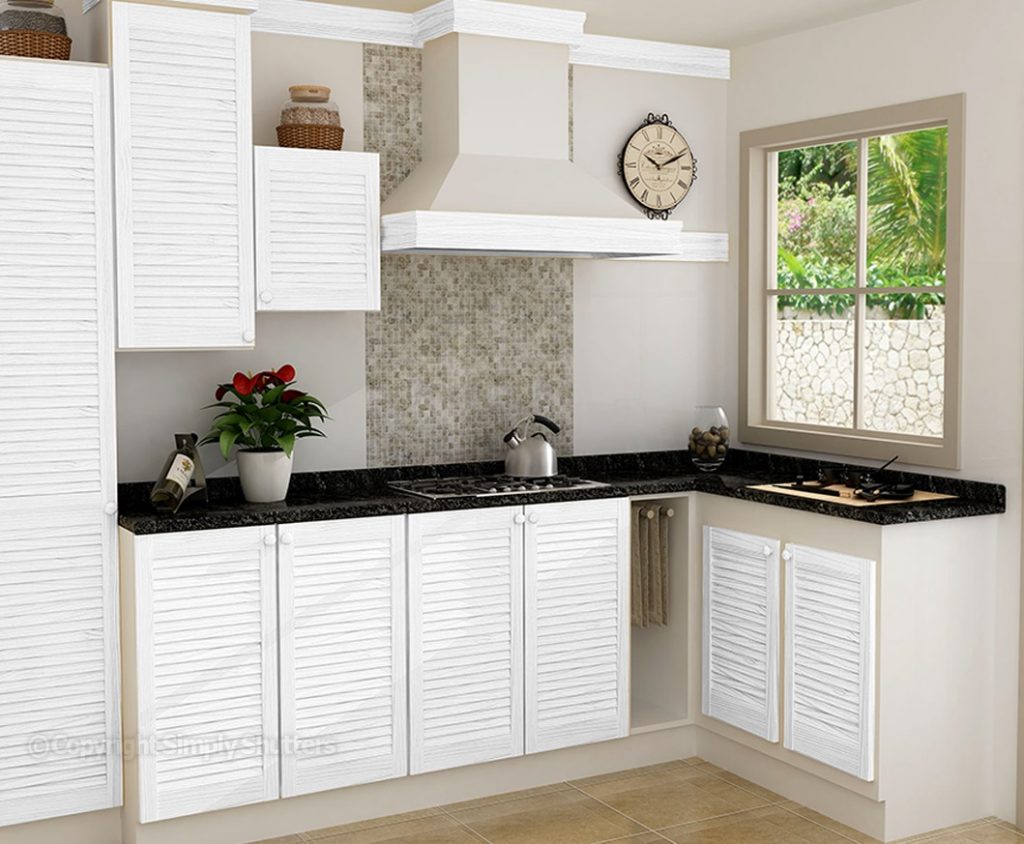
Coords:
183,131
59,700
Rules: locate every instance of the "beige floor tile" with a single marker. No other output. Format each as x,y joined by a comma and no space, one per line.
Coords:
561,817
439,829
506,797
828,823
945,833
739,782
678,767
992,834
327,832
772,825
682,796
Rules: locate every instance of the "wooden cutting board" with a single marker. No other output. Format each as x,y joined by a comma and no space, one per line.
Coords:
918,497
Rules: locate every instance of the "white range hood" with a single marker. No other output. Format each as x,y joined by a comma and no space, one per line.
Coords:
496,177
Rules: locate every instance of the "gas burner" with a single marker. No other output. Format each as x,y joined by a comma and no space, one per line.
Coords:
477,486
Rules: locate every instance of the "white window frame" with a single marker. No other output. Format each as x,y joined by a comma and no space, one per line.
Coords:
758,187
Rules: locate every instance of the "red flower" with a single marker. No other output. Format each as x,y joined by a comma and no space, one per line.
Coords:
222,391
243,384
291,395
286,373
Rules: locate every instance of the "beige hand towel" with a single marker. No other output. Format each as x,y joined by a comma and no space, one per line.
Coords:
636,581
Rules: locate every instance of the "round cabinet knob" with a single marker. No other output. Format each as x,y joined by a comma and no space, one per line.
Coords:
266,296
533,518
767,550
269,539
110,508
519,519
287,539
786,555
248,336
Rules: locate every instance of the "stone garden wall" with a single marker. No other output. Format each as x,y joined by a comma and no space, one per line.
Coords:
903,375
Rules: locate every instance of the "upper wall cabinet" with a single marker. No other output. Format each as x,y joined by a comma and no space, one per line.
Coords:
183,178
59,702
317,230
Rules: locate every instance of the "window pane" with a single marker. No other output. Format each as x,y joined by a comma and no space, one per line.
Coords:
817,216
812,371
907,187
904,363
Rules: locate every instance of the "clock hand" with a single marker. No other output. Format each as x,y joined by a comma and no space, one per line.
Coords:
674,158
655,163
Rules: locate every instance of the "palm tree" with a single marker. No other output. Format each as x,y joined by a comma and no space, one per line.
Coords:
907,188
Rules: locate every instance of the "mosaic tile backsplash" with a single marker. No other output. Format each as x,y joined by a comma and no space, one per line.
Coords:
462,346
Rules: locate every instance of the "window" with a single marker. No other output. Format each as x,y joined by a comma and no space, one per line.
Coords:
850,261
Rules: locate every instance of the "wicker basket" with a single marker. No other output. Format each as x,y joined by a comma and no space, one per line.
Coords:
310,137
34,45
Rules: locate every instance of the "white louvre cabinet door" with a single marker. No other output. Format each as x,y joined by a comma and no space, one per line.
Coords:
317,230
59,699
342,635
465,637
830,659
577,623
740,665
206,605
56,281
184,178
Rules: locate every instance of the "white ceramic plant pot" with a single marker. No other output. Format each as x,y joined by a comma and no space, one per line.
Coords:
265,475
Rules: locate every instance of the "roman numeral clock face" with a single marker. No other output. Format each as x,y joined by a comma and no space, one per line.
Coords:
658,167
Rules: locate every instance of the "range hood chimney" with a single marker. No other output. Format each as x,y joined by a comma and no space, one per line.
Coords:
496,176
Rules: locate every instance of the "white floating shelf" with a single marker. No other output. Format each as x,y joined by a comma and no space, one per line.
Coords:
502,20
465,233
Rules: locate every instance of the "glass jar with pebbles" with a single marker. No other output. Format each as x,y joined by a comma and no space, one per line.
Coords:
709,438
310,119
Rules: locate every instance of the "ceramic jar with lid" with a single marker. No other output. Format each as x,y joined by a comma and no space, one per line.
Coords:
33,28
310,119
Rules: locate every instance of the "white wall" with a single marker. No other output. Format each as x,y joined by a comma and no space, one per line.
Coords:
926,49
652,340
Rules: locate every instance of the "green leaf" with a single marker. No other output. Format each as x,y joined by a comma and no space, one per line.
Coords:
227,440
286,442
274,395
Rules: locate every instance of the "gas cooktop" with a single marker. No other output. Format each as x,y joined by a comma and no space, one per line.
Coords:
476,486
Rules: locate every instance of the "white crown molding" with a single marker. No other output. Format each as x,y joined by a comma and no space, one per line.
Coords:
339,23
697,247
501,20
651,56
454,232
480,17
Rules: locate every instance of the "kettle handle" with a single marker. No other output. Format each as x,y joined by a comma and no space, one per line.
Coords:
547,423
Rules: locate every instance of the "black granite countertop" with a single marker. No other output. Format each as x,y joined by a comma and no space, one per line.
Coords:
322,496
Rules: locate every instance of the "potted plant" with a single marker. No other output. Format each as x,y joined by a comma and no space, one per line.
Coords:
263,422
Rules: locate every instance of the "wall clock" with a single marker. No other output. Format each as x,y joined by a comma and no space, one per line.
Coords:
658,166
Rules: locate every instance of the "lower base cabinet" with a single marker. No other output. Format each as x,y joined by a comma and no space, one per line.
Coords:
271,661
518,631
829,663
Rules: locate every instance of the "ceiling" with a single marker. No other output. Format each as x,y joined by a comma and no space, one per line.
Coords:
711,23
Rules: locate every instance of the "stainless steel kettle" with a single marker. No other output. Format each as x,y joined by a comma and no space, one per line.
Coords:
531,455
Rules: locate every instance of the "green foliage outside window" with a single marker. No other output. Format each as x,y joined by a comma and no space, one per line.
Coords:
817,224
